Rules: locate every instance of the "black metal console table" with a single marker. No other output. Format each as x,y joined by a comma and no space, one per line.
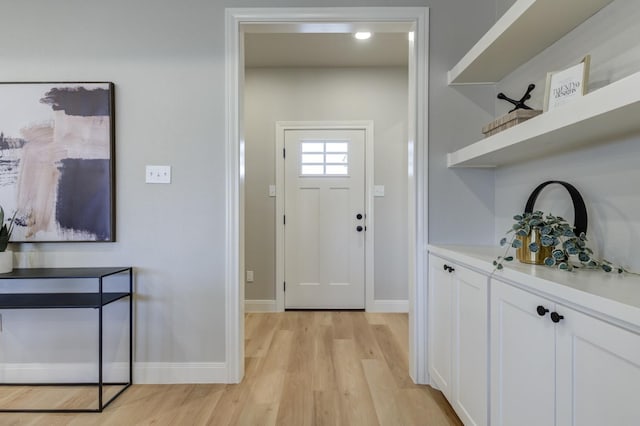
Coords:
97,299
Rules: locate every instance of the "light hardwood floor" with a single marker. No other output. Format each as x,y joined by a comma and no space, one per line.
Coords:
302,368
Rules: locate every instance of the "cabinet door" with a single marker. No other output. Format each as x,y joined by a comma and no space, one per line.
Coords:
522,358
470,350
598,374
440,324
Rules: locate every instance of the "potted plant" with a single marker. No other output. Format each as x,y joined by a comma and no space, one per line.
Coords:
6,256
536,232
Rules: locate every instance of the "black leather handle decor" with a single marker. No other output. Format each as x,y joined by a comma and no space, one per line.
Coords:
579,208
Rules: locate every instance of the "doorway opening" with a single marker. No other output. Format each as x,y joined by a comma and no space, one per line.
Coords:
413,21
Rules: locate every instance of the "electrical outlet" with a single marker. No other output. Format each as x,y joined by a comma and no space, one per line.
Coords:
249,276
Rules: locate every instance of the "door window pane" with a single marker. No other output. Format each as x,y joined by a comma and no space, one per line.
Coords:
338,158
312,170
336,169
324,158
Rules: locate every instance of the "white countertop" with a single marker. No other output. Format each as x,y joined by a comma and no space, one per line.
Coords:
611,294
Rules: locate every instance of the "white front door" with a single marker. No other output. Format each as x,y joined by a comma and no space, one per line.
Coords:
324,231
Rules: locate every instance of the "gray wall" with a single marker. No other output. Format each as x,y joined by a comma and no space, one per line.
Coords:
607,175
167,60
378,94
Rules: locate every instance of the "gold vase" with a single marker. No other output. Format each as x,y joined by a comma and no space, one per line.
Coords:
525,255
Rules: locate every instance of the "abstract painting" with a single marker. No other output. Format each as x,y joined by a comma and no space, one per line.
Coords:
57,160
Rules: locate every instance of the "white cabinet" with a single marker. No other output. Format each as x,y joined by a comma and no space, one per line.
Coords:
440,324
551,364
522,358
598,372
458,343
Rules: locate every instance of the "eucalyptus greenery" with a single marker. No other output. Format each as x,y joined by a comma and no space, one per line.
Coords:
569,252
5,230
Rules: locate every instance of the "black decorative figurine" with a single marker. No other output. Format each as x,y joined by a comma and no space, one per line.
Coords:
519,104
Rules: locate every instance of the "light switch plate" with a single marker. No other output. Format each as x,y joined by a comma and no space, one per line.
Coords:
378,190
249,276
158,174
272,190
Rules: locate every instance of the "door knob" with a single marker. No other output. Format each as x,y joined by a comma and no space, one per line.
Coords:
359,228
359,216
542,311
556,317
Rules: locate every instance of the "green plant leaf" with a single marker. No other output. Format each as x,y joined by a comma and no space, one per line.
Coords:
499,266
558,254
605,267
547,241
545,230
564,266
522,233
503,241
583,257
533,247
517,217
516,244
549,261
508,258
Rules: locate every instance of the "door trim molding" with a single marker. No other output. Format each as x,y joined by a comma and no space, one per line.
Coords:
417,19
367,126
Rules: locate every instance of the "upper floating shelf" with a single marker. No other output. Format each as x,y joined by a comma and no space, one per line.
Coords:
525,30
609,112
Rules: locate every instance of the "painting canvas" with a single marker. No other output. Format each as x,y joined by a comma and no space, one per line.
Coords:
56,160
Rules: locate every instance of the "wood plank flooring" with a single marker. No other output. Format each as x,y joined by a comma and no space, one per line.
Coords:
302,368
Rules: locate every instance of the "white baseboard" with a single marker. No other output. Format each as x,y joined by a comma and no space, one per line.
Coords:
143,372
62,372
179,372
380,306
389,306
260,306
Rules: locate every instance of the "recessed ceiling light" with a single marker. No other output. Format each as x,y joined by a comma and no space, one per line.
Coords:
362,35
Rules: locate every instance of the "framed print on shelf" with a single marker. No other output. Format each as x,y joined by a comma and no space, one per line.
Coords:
57,160
566,85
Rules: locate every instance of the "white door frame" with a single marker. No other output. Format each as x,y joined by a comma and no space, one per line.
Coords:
334,19
367,126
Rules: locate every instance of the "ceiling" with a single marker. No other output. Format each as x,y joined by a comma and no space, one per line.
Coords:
388,49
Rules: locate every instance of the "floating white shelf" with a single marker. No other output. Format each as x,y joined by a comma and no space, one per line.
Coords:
609,112
525,30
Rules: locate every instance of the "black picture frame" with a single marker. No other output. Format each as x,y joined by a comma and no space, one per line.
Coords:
57,160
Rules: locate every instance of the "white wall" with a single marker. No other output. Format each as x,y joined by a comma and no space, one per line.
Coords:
166,58
338,94
607,174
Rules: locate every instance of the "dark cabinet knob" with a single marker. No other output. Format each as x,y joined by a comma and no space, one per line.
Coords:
359,228
542,311
448,268
359,216
556,317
